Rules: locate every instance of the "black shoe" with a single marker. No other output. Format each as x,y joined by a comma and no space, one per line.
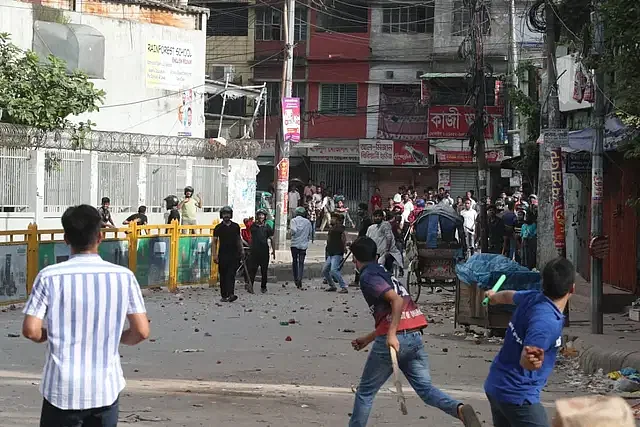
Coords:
299,284
263,290
232,298
331,289
224,299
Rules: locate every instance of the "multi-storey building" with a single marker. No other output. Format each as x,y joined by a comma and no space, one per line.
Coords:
367,73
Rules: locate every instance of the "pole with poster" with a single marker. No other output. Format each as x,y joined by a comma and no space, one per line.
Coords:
283,142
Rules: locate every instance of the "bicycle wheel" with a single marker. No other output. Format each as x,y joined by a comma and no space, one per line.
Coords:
414,287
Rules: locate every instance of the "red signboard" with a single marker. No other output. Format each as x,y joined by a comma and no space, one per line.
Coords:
557,193
466,157
454,121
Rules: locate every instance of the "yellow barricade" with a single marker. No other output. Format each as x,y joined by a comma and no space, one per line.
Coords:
168,255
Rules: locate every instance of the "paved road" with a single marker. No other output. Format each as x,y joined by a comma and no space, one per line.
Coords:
248,374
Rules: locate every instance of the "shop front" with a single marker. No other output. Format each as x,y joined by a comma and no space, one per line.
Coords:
459,170
393,164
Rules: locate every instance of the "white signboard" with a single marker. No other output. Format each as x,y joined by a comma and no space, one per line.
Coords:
556,138
169,65
378,153
444,179
506,173
349,154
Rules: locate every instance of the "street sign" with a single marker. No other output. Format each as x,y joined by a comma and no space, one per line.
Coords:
578,163
555,138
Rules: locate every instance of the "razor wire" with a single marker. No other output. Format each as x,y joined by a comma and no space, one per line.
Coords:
18,136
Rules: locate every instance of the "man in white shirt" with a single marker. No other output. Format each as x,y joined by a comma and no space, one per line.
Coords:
408,208
85,302
469,218
294,201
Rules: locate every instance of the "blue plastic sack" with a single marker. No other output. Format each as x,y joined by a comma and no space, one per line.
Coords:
485,270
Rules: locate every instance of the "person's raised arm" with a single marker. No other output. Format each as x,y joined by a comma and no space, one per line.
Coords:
502,297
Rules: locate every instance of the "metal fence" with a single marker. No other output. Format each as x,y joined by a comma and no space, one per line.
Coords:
162,181
210,181
116,176
63,181
14,176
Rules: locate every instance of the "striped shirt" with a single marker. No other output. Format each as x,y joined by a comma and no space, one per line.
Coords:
85,301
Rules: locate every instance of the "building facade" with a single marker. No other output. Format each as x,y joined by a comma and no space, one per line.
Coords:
149,58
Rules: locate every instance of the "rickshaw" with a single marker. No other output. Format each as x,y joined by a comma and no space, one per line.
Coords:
433,250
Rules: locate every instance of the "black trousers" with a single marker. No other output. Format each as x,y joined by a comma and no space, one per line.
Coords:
227,268
298,256
106,416
259,259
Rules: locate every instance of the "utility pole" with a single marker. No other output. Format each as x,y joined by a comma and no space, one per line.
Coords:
515,63
477,134
548,248
597,178
282,145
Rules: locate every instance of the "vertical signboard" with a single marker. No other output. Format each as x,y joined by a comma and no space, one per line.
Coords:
291,119
557,194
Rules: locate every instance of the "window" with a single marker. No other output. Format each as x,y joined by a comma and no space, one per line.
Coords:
462,19
408,19
269,24
299,90
343,18
339,99
229,19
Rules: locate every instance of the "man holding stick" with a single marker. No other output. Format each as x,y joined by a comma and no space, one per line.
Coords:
526,360
398,325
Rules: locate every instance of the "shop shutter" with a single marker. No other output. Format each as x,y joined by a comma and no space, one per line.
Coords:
345,176
463,180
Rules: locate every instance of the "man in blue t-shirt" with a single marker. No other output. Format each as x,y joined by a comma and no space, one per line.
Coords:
531,343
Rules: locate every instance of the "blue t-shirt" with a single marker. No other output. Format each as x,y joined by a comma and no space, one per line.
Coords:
536,322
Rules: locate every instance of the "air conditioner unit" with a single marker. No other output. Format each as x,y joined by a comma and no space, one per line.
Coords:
388,74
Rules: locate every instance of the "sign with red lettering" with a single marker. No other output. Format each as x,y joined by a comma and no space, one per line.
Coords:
465,156
394,153
454,121
557,195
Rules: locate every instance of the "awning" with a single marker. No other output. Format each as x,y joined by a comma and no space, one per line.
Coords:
427,76
80,46
582,140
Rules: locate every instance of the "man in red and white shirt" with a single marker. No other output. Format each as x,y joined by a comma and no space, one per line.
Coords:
398,323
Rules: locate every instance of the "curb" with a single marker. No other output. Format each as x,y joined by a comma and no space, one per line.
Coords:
312,270
593,358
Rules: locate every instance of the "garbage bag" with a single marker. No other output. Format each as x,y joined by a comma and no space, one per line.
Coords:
485,270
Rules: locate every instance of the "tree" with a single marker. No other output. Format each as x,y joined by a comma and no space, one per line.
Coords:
42,94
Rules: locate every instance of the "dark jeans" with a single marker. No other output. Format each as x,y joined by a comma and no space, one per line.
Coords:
298,256
227,268
259,259
313,231
510,415
51,416
413,363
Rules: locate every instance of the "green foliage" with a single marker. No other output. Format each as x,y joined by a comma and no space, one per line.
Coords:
49,14
42,94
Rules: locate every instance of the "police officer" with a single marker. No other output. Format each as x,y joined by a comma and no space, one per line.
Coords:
172,213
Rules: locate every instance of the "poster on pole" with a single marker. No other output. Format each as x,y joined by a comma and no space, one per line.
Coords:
13,272
291,119
444,179
557,193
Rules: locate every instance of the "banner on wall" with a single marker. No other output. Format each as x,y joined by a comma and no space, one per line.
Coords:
291,119
185,112
115,252
169,65
349,154
394,153
495,156
152,267
13,272
444,179
454,121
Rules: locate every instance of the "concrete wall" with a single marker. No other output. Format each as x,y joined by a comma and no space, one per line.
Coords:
148,110
403,47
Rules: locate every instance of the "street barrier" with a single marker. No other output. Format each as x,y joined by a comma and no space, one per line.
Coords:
168,255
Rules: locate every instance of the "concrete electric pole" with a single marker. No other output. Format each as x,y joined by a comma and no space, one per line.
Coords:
597,178
283,144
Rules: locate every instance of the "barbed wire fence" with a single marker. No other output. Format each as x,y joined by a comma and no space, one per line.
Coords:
18,136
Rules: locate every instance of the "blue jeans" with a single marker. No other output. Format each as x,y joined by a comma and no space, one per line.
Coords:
413,362
313,231
98,417
510,415
331,271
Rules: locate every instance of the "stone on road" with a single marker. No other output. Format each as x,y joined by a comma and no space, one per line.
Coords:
213,364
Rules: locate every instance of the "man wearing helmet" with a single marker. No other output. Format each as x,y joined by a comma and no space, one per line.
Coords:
188,207
172,212
228,254
261,237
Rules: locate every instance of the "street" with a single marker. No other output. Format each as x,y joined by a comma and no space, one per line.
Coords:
243,371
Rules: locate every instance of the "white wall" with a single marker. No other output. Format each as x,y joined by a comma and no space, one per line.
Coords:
125,71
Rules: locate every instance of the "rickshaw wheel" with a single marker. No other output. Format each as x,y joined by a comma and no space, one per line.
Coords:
413,283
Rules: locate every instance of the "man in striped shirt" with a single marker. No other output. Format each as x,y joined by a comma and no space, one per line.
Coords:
85,302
